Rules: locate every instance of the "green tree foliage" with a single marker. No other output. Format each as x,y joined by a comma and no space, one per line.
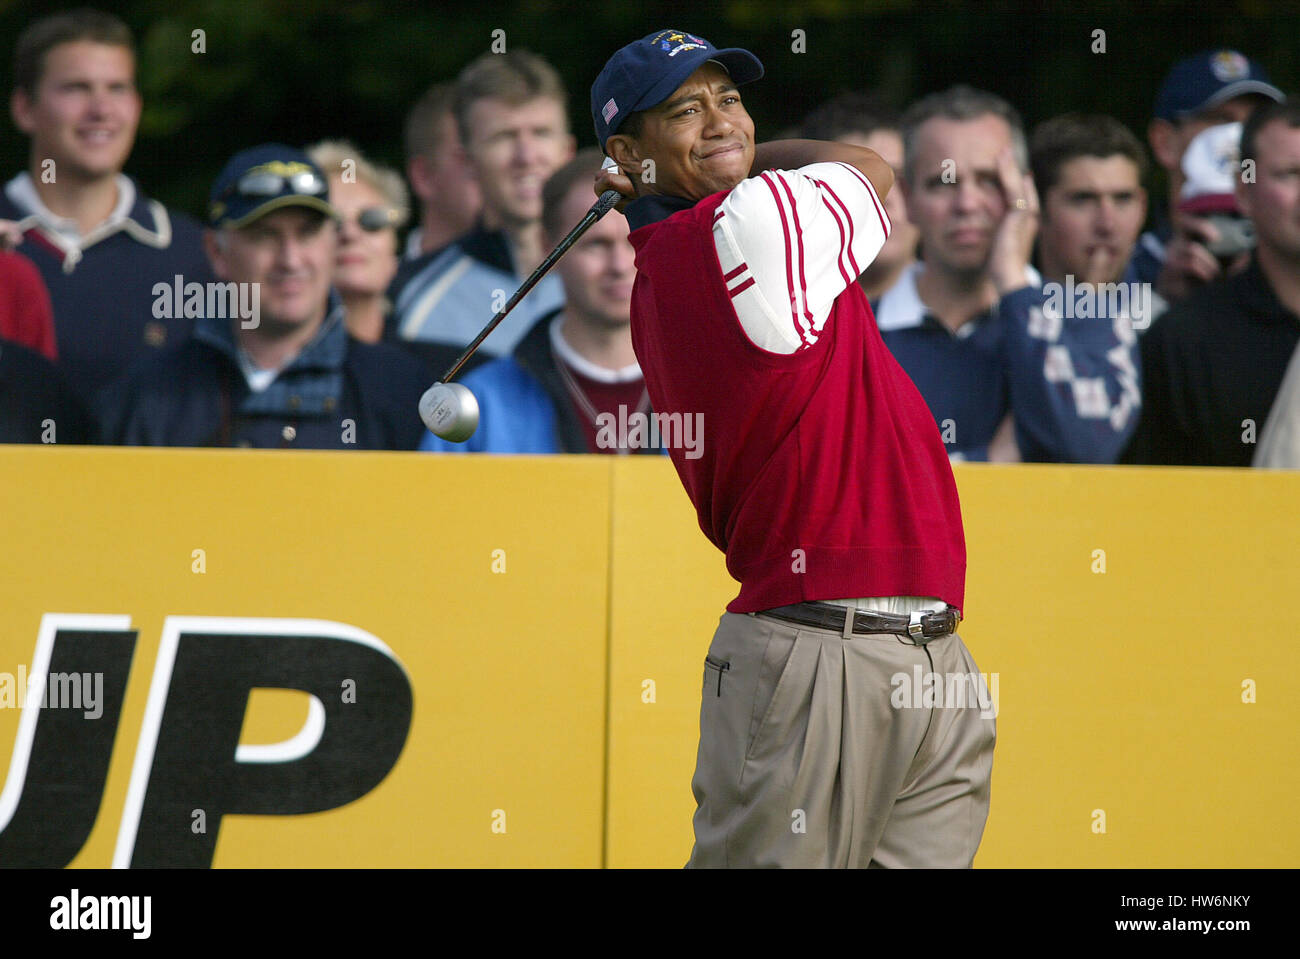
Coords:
298,71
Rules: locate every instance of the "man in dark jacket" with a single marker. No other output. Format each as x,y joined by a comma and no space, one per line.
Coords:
1214,363
36,403
270,363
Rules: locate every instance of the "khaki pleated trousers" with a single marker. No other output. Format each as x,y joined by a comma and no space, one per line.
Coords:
821,751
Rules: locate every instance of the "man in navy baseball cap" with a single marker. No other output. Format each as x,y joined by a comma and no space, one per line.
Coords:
1213,87
264,178
270,362
1208,79
645,73
667,109
746,317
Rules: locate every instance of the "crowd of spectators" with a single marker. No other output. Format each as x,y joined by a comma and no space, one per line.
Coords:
321,297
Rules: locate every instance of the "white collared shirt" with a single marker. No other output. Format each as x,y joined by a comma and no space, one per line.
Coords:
257,378
581,364
22,191
901,306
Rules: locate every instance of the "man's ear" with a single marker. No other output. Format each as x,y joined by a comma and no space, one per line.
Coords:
626,153
216,254
1163,137
417,171
20,109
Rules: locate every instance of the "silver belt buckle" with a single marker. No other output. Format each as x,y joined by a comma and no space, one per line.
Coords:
914,627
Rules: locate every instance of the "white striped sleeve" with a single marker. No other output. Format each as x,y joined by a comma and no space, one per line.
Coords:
789,242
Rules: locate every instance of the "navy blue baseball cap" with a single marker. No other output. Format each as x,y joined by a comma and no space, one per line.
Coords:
1208,79
646,72
264,178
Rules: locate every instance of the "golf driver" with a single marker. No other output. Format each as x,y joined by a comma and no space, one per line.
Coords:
449,409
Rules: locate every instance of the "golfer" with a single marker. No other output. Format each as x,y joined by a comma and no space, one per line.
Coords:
826,735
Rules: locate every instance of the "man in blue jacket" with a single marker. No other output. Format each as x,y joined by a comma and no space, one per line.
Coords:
572,384
270,363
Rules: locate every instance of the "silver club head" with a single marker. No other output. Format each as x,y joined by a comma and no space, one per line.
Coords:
450,411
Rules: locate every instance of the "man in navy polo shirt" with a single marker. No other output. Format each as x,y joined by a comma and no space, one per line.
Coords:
101,244
821,475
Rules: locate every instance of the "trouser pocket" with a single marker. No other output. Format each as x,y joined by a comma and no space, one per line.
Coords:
714,665
774,682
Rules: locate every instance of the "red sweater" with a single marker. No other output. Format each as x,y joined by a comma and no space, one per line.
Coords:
821,474
26,316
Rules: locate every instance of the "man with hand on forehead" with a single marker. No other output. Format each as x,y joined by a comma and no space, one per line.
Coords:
821,476
1012,368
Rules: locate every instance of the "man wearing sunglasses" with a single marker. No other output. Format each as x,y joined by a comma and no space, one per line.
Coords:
271,363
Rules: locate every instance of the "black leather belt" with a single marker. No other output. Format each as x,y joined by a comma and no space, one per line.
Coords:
918,627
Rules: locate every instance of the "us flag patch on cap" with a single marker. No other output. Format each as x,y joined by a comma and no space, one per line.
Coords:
609,110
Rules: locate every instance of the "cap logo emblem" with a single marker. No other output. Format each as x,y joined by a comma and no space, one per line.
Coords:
1229,65
674,42
609,110
281,168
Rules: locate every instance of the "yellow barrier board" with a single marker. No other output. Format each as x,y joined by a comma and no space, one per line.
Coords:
669,589
369,659
1150,675
486,585
1136,624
